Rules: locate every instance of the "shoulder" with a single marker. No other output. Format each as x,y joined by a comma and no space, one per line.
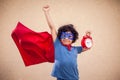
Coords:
78,48
57,42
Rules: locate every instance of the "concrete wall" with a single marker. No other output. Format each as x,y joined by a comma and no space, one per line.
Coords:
102,17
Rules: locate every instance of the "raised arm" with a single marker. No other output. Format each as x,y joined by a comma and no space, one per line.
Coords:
51,25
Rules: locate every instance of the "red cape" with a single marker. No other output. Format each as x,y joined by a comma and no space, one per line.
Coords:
34,47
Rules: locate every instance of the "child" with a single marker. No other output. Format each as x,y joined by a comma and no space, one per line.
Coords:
65,66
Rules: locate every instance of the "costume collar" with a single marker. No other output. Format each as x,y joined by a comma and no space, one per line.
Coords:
69,47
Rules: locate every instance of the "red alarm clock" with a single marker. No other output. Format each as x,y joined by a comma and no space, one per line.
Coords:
87,41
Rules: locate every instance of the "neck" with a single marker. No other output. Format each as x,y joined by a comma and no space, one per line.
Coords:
68,46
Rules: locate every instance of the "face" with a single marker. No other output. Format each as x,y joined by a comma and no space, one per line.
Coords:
66,38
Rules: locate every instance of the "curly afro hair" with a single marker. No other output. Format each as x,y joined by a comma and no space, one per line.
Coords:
66,28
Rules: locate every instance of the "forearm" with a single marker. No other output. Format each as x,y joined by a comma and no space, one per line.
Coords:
49,20
84,49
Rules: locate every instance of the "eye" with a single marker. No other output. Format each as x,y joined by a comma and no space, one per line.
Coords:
70,36
64,35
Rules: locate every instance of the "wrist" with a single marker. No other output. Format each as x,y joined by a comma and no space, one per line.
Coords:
46,11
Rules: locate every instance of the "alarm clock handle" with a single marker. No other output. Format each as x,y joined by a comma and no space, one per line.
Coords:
88,33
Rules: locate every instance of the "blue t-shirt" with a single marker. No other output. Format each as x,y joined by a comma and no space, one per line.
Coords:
65,66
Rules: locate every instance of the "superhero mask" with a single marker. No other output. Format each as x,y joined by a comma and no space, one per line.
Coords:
67,35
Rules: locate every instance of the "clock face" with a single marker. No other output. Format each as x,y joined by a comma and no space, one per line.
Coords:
88,43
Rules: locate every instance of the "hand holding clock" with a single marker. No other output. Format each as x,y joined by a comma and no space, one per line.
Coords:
87,41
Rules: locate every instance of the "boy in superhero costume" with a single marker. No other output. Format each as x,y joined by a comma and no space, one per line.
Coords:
65,65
